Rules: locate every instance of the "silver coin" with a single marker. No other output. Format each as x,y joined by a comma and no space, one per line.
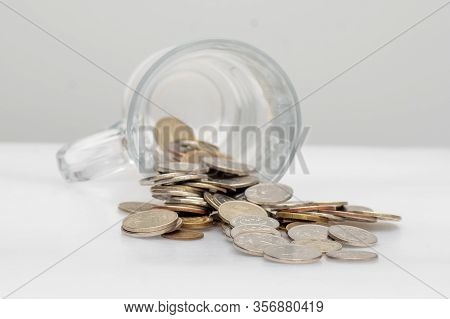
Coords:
191,168
149,181
226,230
306,231
352,236
197,201
177,226
352,255
324,246
287,205
209,198
221,198
255,243
236,231
296,254
182,178
254,221
228,166
231,209
268,193
206,186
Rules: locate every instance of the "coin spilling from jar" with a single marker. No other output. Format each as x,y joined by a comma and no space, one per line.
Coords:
199,187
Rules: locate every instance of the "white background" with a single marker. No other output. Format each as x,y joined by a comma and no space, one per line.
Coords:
398,96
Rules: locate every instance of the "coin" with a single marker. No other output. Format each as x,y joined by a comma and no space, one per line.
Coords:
153,220
169,129
311,208
317,232
352,236
183,234
228,166
197,201
377,215
231,209
197,222
324,245
189,168
149,181
185,208
135,207
182,178
208,187
153,233
234,182
292,254
236,231
301,216
356,255
293,224
226,230
255,243
287,205
254,221
268,193
209,198
352,216
220,198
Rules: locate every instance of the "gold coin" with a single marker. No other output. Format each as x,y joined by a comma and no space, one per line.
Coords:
300,216
197,222
353,216
169,129
135,207
209,187
310,208
150,221
184,235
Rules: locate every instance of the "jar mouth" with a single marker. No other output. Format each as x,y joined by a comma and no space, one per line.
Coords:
260,81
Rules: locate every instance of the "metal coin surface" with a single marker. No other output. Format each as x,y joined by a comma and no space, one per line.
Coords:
184,235
228,166
149,181
293,224
254,221
209,198
234,182
226,230
197,222
189,168
221,198
317,232
185,208
169,129
324,245
182,178
356,255
135,207
153,220
255,243
197,201
208,187
231,209
153,233
295,254
352,236
268,193
301,216
236,231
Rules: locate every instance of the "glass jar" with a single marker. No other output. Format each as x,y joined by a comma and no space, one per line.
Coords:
231,94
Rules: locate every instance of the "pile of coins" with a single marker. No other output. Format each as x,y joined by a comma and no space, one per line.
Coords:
199,187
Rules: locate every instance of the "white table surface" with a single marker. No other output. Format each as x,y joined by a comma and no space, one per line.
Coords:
62,240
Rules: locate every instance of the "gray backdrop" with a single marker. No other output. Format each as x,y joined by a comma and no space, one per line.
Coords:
399,95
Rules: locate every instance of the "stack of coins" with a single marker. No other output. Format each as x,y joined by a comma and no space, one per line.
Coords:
198,187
